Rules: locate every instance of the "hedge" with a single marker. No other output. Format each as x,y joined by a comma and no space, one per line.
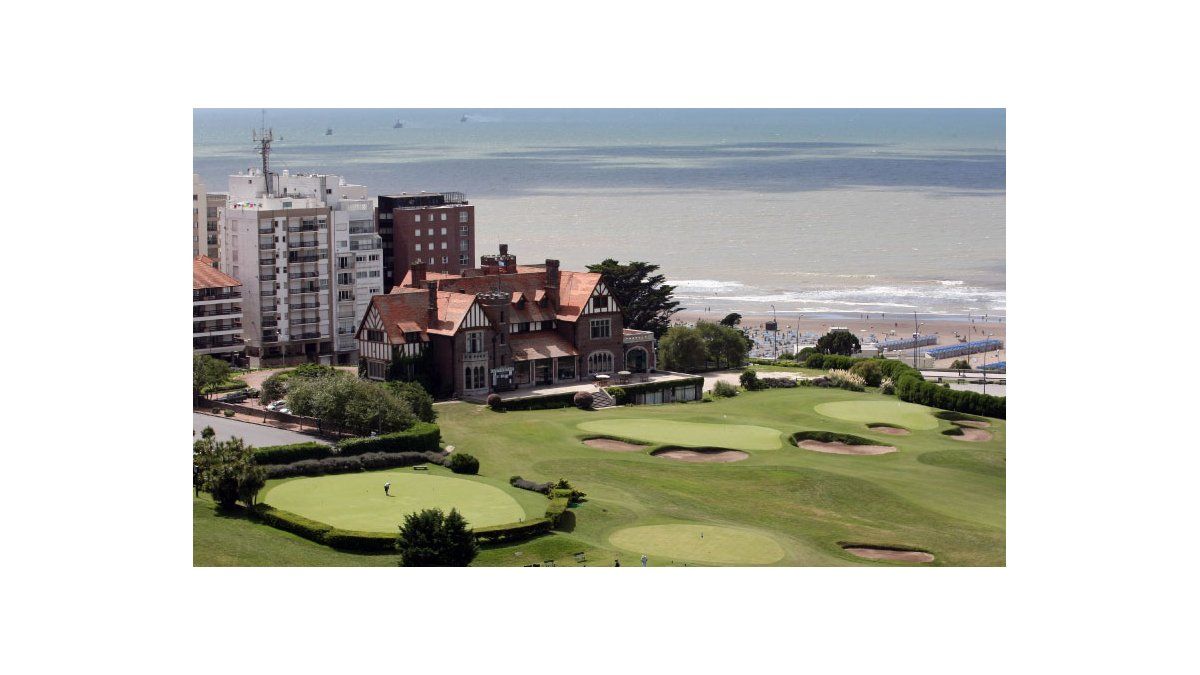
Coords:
286,454
518,482
364,462
422,436
321,533
512,531
540,402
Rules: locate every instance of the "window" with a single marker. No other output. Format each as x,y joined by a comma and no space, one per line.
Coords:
463,217
474,377
443,229
418,246
475,342
349,295
566,368
430,232
463,244
445,260
601,328
443,246
443,218
430,260
374,335
463,230
600,362
417,232
375,370
417,219
600,302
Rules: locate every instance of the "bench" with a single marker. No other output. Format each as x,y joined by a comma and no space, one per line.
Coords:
420,467
580,557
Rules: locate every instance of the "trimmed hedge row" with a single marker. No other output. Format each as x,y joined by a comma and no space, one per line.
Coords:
540,402
513,531
321,533
353,464
518,482
286,454
421,437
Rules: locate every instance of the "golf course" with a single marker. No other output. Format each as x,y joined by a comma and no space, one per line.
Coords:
662,484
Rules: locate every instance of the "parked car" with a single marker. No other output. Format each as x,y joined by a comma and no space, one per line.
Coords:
235,397
276,405
285,410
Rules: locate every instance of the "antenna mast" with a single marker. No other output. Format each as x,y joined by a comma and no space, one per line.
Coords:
263,139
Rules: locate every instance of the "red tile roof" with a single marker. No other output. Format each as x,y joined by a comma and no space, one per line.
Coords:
541,345
204,275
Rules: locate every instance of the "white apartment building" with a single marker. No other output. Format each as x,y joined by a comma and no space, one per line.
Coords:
306,250
216,311
199,215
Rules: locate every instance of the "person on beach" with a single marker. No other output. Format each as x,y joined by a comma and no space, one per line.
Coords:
616,562
386,489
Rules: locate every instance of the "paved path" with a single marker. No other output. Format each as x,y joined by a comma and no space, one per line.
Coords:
252,434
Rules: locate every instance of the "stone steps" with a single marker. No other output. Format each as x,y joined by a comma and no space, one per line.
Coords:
601,399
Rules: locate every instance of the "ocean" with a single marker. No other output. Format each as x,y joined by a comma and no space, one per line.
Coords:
814,212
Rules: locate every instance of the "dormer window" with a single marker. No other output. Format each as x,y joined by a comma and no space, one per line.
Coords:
374,335
600,302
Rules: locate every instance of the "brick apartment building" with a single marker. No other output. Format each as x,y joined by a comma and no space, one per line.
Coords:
216,311
437,228
499,327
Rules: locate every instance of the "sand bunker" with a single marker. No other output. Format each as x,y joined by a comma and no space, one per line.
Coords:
613,445
970,434
839,448
973,423
702,455
889,554
891,431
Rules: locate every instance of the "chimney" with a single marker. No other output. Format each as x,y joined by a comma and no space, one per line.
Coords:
503,249
552,282
433,311
418,273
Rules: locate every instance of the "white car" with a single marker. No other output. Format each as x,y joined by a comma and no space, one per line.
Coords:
276,405
285,410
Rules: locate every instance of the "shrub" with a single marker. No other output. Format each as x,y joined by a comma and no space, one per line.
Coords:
286,454
227,412
805,353
887,386
461,462
518,482
724,390
367,461
960,364
431,539
312,370
422,436
582,400
273,388
619,395
776,383
749,380
844,379
415,396
826,361
707,398
226,470
493,401
563,488
513,531
563,400
869,370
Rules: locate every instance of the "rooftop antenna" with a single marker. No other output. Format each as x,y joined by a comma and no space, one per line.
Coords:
263,139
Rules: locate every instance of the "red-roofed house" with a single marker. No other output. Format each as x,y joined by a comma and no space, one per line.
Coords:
498,327
216,311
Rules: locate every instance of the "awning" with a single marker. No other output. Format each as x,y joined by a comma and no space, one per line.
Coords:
533,346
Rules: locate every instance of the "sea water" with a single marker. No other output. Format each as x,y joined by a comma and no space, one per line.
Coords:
812,211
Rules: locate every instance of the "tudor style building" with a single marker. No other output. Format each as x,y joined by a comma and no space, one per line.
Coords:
499,327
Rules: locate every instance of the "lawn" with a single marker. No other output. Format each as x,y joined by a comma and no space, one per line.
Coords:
938,494
356,501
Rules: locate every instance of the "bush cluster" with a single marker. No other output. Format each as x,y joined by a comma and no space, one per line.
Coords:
461,462
494,401
869,370
618,394
844,379
286,454
582,400
365,462
724,390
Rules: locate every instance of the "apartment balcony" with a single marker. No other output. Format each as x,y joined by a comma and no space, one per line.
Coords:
305,227
198,331
298,323
266,229
270,336
266,246
292,245
267,277
270,323
266,262
305,305
201,313
362,230
305,258
215,298
310,335
303,275
346,344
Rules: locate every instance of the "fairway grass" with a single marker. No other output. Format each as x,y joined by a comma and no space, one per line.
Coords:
907,415
355,501
719,545
733,436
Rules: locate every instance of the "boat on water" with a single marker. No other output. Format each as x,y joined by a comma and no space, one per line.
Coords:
398,125
329,131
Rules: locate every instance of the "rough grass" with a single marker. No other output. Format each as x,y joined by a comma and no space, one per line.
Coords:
725,435
986,462
908,415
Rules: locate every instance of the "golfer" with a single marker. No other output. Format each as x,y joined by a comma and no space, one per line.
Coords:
644,560
386,487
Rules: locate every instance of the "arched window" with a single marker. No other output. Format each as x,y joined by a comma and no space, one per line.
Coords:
635,360
600,362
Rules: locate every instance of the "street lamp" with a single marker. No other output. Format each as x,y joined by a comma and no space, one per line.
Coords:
774,328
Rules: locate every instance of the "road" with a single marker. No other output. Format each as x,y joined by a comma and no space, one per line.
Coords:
253,434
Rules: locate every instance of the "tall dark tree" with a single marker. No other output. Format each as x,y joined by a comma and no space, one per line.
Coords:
226,470
207,372
430,539
684,349
838,342
644,297
731,319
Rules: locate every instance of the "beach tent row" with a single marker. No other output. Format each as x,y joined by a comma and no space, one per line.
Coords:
908,343
999,365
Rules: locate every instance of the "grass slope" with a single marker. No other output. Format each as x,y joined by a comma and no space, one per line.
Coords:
951,503
734,436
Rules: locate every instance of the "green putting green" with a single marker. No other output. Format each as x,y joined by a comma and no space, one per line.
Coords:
355,501
733,436
902,414
724,545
